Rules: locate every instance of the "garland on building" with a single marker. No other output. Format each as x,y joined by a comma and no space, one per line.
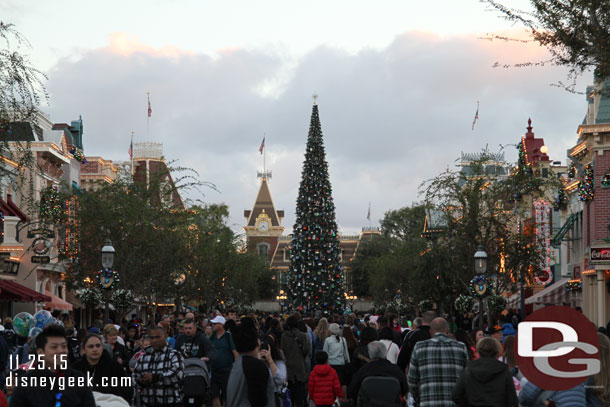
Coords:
571,171
51,209
606,179
574,285
561,201
315,278
586,188
78,155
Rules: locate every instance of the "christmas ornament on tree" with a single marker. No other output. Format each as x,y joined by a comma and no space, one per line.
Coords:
606,179
586,188
315,278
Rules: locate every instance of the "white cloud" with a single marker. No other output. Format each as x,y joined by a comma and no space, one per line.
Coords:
391,117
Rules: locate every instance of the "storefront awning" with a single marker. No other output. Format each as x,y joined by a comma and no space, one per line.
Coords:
555,294
12,291
57,303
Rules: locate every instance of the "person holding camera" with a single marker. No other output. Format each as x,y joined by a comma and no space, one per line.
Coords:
271,354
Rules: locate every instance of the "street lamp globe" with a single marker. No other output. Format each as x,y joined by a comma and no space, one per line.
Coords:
107,254
480,261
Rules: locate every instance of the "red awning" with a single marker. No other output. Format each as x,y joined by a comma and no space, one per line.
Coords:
57,303
12,291
9,208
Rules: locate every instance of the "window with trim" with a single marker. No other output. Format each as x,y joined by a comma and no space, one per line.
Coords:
286,254
263,249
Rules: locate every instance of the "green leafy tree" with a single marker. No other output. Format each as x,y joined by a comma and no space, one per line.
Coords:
315,277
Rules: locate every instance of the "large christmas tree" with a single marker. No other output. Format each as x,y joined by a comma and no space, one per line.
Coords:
315,280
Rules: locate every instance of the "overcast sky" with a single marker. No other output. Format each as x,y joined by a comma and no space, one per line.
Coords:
398,84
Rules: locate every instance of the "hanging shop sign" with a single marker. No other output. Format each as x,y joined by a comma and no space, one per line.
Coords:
40,232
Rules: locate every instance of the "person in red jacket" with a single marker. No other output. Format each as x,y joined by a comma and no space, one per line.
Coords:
324,385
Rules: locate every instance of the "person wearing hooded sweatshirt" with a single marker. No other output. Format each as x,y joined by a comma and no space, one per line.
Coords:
324,386
486,381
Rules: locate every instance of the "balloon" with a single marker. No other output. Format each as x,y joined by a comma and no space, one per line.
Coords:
34,332
22,323
42,318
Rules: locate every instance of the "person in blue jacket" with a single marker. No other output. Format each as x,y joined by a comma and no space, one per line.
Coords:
533,396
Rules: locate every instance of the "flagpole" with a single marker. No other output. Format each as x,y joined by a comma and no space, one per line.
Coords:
132,169
148,117
265,155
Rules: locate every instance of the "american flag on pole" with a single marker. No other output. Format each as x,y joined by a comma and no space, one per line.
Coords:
149,108
262,147
476,116
130,151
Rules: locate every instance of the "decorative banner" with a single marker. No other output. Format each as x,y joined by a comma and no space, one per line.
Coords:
543,236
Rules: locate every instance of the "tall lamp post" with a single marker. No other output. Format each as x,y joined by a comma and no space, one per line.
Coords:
480,267
107,275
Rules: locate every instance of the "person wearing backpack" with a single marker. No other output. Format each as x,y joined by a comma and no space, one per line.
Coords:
379,382
338,355
226,354
296,347
324,385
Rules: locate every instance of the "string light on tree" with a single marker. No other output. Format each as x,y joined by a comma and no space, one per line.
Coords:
315,278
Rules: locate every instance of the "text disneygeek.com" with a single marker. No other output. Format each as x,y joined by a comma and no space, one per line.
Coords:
65,382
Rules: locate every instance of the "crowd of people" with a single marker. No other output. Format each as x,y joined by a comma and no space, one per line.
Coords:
186,359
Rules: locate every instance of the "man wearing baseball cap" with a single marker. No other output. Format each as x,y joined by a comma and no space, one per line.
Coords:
223,362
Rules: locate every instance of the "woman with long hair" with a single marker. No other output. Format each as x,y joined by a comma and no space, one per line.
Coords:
462,336
103,368
338,355
319,336
272,355
598,386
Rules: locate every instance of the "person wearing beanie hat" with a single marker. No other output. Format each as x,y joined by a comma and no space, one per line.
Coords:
338,355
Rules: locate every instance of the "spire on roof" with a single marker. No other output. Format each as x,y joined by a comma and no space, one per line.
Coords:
530,133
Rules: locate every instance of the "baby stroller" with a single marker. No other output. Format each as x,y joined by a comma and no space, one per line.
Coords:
196,382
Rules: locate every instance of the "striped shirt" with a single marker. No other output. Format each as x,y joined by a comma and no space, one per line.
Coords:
436,365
